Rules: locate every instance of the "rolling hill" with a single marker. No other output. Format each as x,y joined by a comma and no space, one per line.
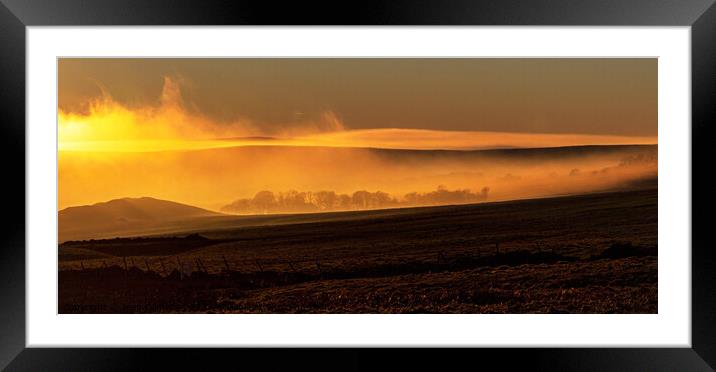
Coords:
123,215
509,173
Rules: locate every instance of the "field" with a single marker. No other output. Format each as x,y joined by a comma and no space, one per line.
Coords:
593,253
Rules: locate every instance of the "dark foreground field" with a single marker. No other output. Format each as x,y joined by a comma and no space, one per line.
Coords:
578,254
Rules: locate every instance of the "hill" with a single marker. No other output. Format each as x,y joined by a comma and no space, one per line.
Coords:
508,173
577,254
126,214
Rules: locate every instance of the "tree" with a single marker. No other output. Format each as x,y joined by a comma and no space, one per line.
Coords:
264,201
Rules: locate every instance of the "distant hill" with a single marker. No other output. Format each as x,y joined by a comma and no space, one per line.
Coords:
147,216
518,153
126,214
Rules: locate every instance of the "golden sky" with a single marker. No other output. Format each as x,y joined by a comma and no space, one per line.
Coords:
169,112
615,96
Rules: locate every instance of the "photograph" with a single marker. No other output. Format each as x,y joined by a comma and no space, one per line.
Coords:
378,185
236,183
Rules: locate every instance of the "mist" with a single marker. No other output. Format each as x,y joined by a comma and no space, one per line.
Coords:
176,125
172,124
266,202
214,178
172,151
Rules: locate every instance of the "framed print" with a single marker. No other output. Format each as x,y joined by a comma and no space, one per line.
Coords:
489,177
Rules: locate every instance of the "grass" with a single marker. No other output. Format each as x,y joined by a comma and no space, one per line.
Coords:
567,254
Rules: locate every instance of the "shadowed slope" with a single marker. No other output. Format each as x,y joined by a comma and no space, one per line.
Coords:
124,214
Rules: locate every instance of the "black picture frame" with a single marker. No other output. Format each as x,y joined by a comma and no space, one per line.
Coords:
16,15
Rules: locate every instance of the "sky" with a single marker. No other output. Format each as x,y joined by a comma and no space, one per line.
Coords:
574,96
208,132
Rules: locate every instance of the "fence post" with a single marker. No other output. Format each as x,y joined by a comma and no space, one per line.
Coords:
180,268
147,265
318,266
261,269
201,265
124,258
82,266
161,262
226,263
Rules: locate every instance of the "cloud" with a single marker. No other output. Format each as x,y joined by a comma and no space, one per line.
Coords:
170,124
174,124
422,139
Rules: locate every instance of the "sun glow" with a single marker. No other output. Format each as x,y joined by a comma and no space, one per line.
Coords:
171,151
109,126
